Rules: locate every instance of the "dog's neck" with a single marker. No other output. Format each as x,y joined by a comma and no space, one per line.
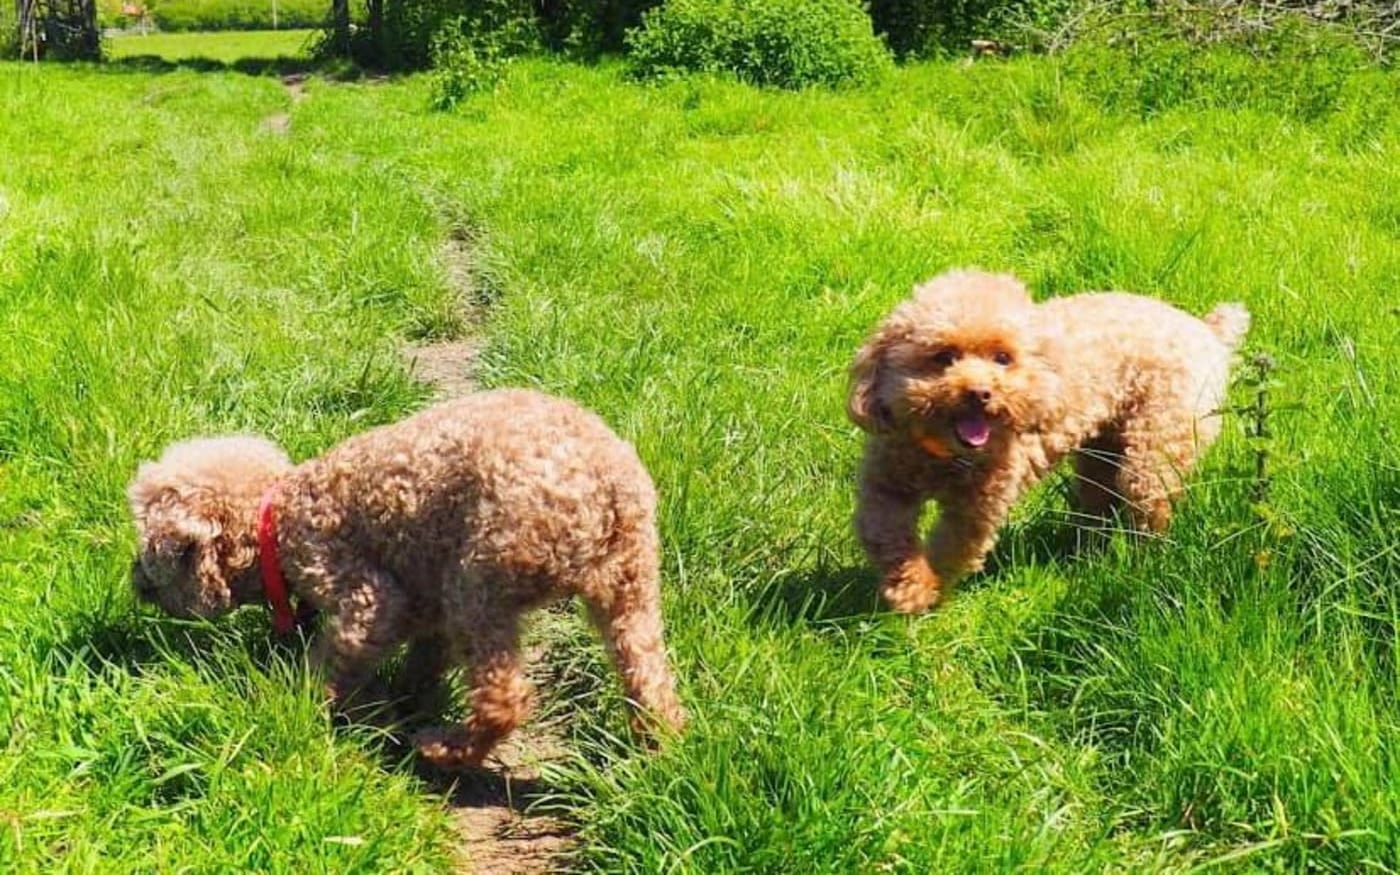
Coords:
246,586
244,571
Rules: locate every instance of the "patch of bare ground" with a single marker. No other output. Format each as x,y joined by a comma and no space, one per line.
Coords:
295,83
278,122
446,365
499,834
281,122
495,810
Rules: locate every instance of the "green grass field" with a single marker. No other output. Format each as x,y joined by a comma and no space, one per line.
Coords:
698,262
225,46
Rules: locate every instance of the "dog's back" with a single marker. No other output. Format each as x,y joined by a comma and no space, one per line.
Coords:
519,484
1128,347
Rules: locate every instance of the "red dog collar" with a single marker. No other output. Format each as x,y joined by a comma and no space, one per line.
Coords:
933,445
274,584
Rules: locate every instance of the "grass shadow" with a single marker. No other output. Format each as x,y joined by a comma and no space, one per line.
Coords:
1051,537
132,641
824,595
493,785
283,66
820,596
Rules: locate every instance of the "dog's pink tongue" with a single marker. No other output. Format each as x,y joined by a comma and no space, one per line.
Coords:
973,429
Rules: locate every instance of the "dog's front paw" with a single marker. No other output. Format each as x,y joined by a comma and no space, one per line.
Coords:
451,749
913,587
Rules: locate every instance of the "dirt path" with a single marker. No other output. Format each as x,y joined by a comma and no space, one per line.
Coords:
281,122
446,365
489,809
499,835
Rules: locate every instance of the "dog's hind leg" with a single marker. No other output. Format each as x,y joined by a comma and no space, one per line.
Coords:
624,603
1157,456
1097,467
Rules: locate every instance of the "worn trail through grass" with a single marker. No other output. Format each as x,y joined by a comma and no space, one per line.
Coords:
697,261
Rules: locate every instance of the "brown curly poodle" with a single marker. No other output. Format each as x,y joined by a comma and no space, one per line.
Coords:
439,531
970,393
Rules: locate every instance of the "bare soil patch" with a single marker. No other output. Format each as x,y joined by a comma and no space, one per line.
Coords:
295,83
281,122
446,365
491,808
499,835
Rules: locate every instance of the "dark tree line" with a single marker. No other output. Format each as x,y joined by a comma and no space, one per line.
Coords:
62,29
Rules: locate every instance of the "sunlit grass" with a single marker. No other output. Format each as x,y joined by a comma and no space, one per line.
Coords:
223,46
698,261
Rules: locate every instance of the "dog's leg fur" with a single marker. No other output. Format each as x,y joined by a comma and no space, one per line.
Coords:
500,699
364,624
887,525
630,625
967,530
914,577
1157,456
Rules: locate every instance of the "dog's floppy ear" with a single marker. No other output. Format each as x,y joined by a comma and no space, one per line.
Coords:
863,405
167,517
1040,404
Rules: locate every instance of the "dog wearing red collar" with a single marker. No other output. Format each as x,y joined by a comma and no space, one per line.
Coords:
439,532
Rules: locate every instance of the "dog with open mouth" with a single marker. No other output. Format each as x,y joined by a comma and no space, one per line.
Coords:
970,393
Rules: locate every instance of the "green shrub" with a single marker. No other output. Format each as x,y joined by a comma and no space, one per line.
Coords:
933,28
590,27
469,55
1149,64
787,43
412,29
9,31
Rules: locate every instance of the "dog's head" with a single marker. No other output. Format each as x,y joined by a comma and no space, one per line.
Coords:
196,520
960,367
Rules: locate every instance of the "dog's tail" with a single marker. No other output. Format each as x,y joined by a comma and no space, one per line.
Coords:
1229,322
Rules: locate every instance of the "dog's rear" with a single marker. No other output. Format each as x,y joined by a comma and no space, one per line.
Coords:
1228,322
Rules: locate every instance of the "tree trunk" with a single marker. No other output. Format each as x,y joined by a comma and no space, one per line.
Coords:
340,27
65,30
376,28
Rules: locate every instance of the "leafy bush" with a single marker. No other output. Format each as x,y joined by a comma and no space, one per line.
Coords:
469,57
590,27
9,31
932,28
459,69
787,43
1151,63
410,31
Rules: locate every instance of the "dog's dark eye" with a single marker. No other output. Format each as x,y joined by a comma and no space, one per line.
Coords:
1003,359
944,358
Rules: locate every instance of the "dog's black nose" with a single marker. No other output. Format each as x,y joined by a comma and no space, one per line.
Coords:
978,397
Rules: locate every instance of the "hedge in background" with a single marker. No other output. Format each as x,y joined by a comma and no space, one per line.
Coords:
182,15
934,28
401,34
590,27
408,34
787,43
9,31
1153,63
